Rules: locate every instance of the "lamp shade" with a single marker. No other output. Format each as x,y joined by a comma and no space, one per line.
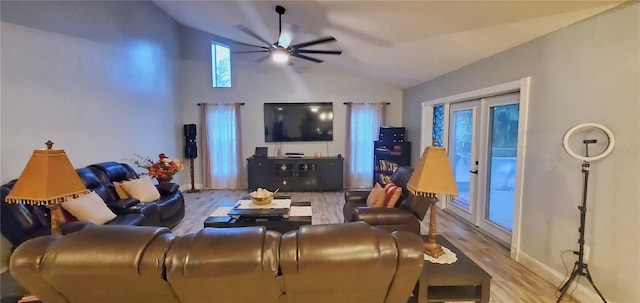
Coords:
433,174
49,178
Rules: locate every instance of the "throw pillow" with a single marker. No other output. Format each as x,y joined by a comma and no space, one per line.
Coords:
89,208
393,193
376,196
122,194
141,189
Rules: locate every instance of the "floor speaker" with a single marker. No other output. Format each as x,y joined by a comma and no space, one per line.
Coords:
190,131
191,150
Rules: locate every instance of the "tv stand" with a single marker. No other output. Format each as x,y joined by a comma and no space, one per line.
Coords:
296,174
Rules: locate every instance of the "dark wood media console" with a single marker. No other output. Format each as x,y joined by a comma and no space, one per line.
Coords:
296,174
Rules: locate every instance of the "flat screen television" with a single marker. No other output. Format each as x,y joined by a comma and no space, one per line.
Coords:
298,122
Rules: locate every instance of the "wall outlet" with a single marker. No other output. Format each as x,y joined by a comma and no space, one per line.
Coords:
587,253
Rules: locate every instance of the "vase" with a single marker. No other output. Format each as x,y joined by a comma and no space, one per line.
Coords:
164,180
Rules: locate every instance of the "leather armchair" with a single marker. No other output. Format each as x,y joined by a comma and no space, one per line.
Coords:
405,216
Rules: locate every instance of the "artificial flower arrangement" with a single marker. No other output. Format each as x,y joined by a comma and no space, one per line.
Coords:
163,169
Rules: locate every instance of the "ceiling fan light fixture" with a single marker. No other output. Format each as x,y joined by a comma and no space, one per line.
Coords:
282,50
280,55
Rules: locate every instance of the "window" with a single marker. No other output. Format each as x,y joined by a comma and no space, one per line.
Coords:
438,121
364,124
221,145
220,65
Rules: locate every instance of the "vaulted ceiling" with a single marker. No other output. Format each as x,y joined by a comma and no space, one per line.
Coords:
402,43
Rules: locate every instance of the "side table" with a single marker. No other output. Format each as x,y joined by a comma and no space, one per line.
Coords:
462,280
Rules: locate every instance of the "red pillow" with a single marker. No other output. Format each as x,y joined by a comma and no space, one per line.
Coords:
393,193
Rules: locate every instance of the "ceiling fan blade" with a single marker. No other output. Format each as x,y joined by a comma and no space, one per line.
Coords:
249,32
247,52
311,51
314,42
247,44
263,58
306,58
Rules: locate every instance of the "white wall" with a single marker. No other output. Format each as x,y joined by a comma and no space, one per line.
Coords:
587,72
97,78
257,83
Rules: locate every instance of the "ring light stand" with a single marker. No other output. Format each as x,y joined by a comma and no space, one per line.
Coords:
581,268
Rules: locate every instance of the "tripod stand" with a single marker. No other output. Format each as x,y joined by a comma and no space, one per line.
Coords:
581,268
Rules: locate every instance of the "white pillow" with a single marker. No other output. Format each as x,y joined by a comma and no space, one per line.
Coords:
141,189
89,208
119,190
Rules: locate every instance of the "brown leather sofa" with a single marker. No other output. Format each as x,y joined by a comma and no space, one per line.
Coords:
317,263
406,215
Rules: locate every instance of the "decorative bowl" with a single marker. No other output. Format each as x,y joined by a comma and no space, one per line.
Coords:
261,201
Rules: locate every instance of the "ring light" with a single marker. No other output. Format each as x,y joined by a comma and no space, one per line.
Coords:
606,152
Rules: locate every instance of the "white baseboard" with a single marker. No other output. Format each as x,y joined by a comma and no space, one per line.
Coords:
581,293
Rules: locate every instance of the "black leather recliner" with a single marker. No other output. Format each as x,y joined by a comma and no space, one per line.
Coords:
170,205
121,207
21,222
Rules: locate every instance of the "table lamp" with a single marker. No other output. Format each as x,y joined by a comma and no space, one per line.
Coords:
433,175
48,179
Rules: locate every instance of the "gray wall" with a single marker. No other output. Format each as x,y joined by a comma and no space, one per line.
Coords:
257,83
587,72
97,78
105,80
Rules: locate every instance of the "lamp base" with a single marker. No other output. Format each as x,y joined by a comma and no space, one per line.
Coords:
57,218
433,249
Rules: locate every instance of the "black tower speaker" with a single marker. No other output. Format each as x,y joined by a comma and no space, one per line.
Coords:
190,146
190,151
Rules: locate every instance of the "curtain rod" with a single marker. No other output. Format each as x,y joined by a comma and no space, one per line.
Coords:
345,103
241,103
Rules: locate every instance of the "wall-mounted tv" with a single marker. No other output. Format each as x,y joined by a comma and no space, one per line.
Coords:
298,122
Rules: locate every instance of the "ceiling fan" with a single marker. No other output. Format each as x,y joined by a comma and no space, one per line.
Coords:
281,50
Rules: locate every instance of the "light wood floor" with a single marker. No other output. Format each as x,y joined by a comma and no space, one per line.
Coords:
511,282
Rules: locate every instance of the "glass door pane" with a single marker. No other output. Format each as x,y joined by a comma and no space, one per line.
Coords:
501,175
461,146
461,153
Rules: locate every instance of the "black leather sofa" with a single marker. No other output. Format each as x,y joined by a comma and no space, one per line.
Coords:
406,215
19,222
170,206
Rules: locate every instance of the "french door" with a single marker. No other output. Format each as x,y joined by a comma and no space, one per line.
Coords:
483,138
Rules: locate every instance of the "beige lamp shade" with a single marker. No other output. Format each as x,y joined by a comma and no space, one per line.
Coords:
49,178
433,174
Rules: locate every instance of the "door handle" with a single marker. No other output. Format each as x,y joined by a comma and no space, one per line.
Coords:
474,171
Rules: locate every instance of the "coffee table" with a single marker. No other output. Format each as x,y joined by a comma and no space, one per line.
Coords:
272,222
463,280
